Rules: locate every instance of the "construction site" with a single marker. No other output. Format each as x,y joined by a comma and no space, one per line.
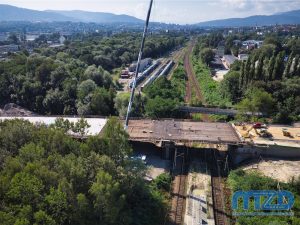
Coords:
200,156
183,133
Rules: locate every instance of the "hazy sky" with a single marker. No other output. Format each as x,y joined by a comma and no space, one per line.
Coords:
173,11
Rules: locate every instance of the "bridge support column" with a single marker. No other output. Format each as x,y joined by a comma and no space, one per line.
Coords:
167,149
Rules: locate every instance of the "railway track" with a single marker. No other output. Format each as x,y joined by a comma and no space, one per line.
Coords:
192,82
218,193
178,194
190,73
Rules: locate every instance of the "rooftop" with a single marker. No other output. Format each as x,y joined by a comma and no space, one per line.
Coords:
96,124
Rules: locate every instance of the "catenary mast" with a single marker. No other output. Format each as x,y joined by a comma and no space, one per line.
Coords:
138,66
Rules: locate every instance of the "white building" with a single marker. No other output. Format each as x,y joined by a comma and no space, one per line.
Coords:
243,57
62,40
143,65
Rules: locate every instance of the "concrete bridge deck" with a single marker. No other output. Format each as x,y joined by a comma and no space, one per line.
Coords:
182,132
158,132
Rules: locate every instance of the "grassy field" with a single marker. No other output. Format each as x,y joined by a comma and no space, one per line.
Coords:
209,87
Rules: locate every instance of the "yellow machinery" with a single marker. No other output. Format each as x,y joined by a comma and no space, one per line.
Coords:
286,133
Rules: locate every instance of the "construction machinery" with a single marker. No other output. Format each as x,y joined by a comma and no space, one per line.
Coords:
286,133
260,129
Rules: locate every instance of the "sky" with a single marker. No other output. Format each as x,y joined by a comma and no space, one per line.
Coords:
168,11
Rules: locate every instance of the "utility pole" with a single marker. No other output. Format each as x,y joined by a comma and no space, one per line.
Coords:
138,66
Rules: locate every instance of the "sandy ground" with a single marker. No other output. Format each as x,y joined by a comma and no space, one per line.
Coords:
125,83
282,170
275,131
220,75
156,166
276,138
199,202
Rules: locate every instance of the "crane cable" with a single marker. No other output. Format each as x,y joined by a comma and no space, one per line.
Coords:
138,66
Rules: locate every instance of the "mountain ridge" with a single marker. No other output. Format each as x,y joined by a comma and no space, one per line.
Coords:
13,13
290,17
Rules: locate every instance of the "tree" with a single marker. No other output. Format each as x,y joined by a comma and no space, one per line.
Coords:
25,188
121,104
116,139
80,127
230,86
85,88
257,101
161,108
271,68
101,102
54,102
31,152
42,218
207,55
57,205
109,201
279,66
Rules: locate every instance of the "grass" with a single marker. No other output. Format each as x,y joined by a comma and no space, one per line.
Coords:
209,87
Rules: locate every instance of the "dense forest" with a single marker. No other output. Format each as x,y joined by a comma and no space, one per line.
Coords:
165,96
46,177
246,181
75,78
268,82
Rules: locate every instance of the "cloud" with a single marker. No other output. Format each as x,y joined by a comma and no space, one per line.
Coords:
237,4
262,6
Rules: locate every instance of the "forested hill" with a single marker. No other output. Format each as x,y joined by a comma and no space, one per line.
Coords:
98,17
292,17
12,13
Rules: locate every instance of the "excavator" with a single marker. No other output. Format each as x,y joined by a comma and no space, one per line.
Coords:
260,129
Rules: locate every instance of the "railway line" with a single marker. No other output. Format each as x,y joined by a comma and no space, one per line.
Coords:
217,192
190,73
192,82
179,192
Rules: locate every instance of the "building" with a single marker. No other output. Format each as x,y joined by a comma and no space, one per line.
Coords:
228,60
62,40
237,42
31,37
251,44
217,63
125,74
3,36
5,49
220,51
243,57
143,65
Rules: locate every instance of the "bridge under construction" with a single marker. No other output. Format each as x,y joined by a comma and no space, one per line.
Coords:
183,133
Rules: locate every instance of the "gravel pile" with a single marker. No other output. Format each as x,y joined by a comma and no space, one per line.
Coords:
13,109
